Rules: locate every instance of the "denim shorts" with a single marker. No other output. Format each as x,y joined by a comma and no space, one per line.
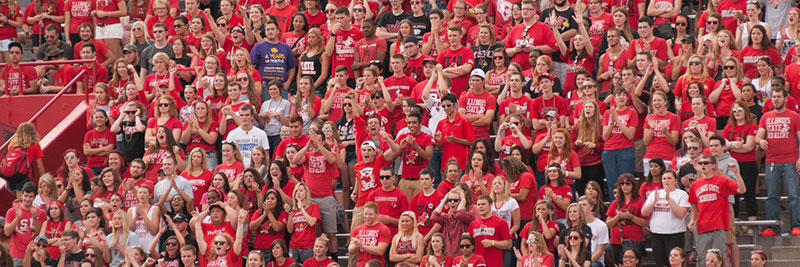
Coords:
16,184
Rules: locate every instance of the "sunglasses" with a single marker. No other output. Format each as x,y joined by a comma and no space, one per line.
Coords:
386,177
359,10
694,63
90,255
703,163
130,112
681,24
589,86
347,104
326,129
158,31
241,79
573,237
171,243
178,25
499,57
219,243
447,105
223,24
452,200
285,133
465,246
330,11
712,22
163,105
729,67
50,37
137,29
41,245
237,30
69,157
625,183
692,148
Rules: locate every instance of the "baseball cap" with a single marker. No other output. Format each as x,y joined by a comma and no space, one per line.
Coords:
479,73
411,39
180,217
429,60
129,48
163,83
369,143
551,113
545,75
40,238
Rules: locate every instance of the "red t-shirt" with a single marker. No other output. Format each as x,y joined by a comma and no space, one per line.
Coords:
631,230
371,236
172,123
18,78
313,262
442,37
264,233
129,197
543,259
711,197
317,20
657,47
726,98
210,231
486,179
96,74
344,49
526,231
683,83
476,261
561,192
390,203
199,183
509,141
6,30
524,108
478,104
416,69
444,261
100,49
300,142
455,58
728,10
79,13
460,127
303,236
535,35
46,7
398,87
740,133
617,140
492,228
567,164
599,27
23,233
109,6
706,124
659,146
231,171
574,65
318,174
195,140
423,207
645,189
749,57
781,134
526,207
282,16
167,21
541,106
336,111
413,162
367,176
97,139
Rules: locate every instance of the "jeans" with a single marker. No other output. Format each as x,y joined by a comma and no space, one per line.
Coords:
615,163
211,159
775,174
436,164
274,141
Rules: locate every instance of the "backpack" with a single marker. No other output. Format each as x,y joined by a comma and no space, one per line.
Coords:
15,166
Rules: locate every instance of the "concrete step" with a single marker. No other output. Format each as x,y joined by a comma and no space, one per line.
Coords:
783,263
785,252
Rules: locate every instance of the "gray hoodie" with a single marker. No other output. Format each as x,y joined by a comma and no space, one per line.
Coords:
722,164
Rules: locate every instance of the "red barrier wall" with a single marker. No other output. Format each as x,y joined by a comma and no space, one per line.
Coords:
62,126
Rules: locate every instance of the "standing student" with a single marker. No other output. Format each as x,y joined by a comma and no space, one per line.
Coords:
26,143
22,221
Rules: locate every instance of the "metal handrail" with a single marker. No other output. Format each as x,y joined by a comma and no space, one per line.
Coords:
56,62
52,101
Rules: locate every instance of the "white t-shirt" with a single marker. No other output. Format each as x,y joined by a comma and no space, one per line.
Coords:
247,141
663,220
599,235
504,212
272,126
436,111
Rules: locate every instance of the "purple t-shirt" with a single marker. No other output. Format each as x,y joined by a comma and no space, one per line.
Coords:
273,61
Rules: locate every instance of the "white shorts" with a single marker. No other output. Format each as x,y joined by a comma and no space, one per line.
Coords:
113,31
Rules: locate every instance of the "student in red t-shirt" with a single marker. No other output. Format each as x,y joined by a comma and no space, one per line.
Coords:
98,142
415,149
660,132
424,202
341,44
777,134
619,128
319,259
537,252
22,221
370,240
224,251
739,133
648,42
27,139
490,232
457,60
710,207
454,133
305,216
16,79
467,246
760,46
477,104
556,190
390,200
334,98
528,36
625,219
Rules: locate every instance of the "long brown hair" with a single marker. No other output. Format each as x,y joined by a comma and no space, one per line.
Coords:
589,129
25,137
560,153
748,117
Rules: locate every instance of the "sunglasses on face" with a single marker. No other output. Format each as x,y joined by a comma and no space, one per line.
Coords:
452,200
163,105
158,31
178,25
241,79
703,163
576,238
681,24
625,183
171,243
693,148
712,22
137,29
694,63
219,243
359,10
499,57
223,24
386,177
90,255
347,104
130,112
729,67
465,246
330,11
447,105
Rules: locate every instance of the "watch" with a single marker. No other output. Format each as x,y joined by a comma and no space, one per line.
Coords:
333,34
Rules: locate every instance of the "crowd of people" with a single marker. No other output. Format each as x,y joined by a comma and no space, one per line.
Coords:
460,133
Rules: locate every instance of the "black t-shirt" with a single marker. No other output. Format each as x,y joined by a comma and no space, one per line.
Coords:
686,170
422,25
587,233
756,110
189,237
566,23
48,262
389,21
132,145
483,56
74,260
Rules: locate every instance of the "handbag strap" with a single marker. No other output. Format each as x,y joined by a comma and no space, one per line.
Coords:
298,40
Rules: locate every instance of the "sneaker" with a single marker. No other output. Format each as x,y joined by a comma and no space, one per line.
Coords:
796,231
769,232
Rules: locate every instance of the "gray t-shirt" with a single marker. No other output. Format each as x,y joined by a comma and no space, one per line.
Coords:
61,45
776,13
147,55
161,188
272,126
116,255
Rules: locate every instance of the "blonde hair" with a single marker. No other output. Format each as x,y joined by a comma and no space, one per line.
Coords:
203,166
173,110
126,225
306,201
146,36
506,189
161,56
581,220
414,231
541,246
48,180
25,137
237,153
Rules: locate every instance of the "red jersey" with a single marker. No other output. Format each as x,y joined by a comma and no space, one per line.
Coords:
781,134
659,146
711,197
109,6
24,231
459,127
729,9
442,37
416,69
367,50
501,11
617,140
344,49
561,192
167,21
726,98
526,207
313,262
318,176
17,79
454,58
199,183
98,139
706,124
399,87
390,203
100,50
6,30
338,95
303,236
600,25
749,57
740,133
79,13
475,261
492,228
371,236
657,47
282,16
231,171
299,142
630,230
49,8
413,162
535,35
264,233
423,207
367,176
478,104
575,65
645,189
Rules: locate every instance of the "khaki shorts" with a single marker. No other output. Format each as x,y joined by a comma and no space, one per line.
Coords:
410,187
327,210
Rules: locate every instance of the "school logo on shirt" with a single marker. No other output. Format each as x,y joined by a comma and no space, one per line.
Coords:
483,230
778,127
711,189
274,50
367,180
299,221
368,237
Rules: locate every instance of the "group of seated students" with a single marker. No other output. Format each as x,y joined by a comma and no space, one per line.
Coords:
461,133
